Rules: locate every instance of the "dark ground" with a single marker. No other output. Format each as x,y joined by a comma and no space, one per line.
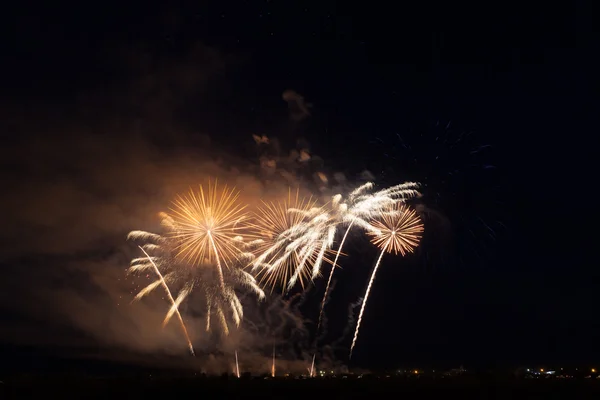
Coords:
458,388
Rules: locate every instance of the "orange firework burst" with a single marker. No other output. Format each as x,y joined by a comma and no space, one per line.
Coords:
281,261
400,230
206,224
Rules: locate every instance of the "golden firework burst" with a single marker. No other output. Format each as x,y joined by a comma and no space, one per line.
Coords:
400,230
206,224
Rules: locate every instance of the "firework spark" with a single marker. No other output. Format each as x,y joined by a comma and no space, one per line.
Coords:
400,232
283,261
237,365
360,208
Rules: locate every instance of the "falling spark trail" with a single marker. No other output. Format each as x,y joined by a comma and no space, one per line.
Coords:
362,308
331,276
312,366
237,365
173,303
219,268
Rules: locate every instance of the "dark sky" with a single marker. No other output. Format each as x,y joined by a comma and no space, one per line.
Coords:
103,108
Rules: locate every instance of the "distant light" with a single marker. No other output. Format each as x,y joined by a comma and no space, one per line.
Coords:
541,369
594,370
416,372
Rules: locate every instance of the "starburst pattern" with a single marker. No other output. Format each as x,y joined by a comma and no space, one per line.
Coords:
205,222
400,230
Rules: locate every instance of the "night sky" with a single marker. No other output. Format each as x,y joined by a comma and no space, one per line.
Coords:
107,111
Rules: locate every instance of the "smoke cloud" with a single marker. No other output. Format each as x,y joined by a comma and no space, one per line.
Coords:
76,182
299,109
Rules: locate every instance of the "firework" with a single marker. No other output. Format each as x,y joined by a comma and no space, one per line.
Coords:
221,297
358,210
305,242
218,290
273,364
200,239
283,261
205,224
312,367
237,365
400,232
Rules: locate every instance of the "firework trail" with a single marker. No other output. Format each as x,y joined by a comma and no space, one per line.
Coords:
401,230
312,366
360,208
237,365
174,304
322,331
351,321
273,365
202,237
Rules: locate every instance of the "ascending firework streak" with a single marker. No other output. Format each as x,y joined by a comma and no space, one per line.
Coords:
237,365
312,367
273,365
401,231
361,208
174,304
